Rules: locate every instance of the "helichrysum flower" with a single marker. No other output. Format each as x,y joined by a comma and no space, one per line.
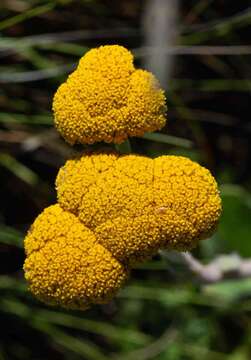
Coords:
107,99
114,211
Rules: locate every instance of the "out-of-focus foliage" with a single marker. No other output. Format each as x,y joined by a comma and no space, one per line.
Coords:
163,313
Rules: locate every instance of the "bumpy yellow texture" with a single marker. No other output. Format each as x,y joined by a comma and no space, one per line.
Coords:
136,205
66,266
112,212
107,99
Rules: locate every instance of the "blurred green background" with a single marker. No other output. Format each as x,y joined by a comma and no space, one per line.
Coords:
200,50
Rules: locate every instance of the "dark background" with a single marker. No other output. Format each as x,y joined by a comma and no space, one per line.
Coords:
164,312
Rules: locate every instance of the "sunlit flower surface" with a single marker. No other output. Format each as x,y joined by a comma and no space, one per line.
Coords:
107,99
115,211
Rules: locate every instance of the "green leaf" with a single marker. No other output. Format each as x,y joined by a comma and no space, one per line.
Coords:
23,16
15,118
229,291
59,318
168,139
18,169
235,224
124,148
12,284
10,236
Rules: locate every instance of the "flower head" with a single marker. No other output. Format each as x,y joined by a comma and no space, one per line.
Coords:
114,211
107,99
136,205
66,266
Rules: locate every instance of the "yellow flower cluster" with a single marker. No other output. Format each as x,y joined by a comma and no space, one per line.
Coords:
112,212
107,99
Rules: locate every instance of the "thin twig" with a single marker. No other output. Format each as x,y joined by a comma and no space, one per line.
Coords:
222,267
194,50
14,44
26,76
238,18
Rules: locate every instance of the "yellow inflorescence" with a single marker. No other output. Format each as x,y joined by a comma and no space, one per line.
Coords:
112,212
107,99
66,266
137,205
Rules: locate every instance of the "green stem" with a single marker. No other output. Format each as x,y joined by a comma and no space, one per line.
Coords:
124,148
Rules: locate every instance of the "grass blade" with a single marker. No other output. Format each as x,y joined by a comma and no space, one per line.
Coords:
169,139
10,236
39,10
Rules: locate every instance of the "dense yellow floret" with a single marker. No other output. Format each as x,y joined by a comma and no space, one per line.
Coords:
139,205
66,266
112,212
107,99
83,172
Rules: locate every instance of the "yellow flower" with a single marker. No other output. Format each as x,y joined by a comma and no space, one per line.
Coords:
107,99
66,266
115,211
136,205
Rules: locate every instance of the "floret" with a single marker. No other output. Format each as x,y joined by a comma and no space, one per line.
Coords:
113,212
139,205
82,171
66,266
107,99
